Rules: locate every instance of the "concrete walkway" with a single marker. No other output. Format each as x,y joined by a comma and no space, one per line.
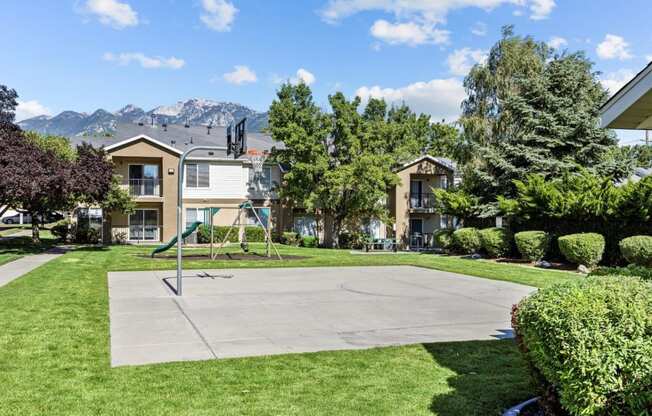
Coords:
249,312
14,269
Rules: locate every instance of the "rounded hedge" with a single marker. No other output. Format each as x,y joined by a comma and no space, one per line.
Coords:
637,250
532,245
585,248
589,344
497,242
467,240
444,238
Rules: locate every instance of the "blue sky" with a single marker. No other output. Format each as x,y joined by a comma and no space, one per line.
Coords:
89,54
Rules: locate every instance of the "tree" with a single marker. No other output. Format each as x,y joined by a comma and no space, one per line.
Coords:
8,104
39,180
529,112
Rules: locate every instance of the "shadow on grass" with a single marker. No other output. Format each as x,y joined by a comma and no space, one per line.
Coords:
489,377
24,245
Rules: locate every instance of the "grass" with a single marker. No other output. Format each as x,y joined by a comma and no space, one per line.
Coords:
54,354
17,247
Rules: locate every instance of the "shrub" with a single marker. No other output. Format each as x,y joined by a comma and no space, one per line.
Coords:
467,240
643,272
309,241
86,235
533,245
120,237
254,234
219,233
61,230
290,238
444,238
637,250
589,344
353,240
584,248
497,242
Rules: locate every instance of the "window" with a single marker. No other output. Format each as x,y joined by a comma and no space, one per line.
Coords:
197,175
262,181
144,180
305,225
194,214
143,225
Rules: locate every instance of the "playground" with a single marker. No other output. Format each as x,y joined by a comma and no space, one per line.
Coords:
227,313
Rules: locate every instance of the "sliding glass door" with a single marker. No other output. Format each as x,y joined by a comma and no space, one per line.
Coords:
143,225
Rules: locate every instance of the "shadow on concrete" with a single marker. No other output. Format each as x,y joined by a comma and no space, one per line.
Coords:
489,377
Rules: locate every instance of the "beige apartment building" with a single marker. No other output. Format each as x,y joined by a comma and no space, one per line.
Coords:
146,157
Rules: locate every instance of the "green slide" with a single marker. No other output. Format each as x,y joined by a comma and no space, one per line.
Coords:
173,241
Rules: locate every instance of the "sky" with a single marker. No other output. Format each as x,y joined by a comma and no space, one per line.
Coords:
87,54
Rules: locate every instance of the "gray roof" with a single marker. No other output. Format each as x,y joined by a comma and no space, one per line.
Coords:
178,137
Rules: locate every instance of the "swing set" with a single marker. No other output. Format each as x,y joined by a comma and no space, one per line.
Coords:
237,224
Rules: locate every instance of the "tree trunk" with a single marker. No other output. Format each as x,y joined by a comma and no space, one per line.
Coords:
36,239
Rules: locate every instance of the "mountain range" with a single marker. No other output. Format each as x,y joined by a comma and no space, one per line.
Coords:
194,111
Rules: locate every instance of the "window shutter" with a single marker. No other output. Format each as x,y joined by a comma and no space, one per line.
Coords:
191,176
203,175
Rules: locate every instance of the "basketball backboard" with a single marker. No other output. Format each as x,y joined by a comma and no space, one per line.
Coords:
236,138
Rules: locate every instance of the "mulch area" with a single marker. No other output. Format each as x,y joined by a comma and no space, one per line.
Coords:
229,256
553,265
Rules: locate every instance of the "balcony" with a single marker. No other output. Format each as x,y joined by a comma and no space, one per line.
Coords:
144,187
422,202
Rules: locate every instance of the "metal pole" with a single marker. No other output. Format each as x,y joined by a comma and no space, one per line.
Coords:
182,160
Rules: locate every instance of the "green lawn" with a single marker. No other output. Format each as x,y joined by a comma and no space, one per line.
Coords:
17,247
54,354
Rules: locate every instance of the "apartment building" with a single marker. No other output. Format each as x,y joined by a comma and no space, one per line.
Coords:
147,157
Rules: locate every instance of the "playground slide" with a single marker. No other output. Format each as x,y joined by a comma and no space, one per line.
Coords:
173,241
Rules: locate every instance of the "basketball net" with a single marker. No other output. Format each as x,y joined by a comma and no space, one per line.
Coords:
257,162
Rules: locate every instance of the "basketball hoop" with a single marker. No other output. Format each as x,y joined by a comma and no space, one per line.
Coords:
257,162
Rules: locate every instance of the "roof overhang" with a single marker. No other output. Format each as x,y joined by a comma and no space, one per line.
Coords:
631,107
142,137
429,158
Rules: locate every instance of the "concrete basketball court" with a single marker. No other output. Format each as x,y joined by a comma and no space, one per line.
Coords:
250,312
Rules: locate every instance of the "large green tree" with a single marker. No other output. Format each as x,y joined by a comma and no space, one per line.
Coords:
529,112
341,163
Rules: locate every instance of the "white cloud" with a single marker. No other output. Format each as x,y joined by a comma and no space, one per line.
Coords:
303,75
613,47
614,81
408,33
241,74
148,62
557,42
479,29
462,60
29,109
218,14
441,98
112,13
541,9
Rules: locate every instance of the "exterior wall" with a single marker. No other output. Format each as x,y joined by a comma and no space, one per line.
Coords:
432,175
144,151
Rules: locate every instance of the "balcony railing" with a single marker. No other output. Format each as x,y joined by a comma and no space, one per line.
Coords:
421,241
422,201
144,187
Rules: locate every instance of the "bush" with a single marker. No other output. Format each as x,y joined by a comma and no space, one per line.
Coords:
120,237
643,272
353,240
467,240
497,242
533,245
637,250
219,233
61,230
309,241
254,234
589,345
290,238
86,235
444,238
584,248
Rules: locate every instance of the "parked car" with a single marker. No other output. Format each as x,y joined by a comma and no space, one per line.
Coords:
15,219
27,218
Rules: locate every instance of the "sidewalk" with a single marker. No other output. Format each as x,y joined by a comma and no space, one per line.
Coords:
17,268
